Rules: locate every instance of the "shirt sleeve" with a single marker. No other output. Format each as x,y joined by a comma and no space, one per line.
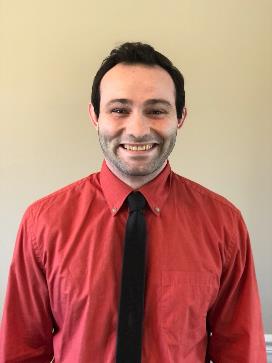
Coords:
234,321
27,324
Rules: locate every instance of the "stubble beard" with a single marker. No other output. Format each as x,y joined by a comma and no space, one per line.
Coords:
110,145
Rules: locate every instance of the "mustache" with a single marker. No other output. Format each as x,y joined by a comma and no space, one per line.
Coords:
149,138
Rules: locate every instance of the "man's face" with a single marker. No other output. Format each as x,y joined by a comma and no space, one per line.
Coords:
137,124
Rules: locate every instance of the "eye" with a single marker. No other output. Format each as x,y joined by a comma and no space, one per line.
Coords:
156,112
120,111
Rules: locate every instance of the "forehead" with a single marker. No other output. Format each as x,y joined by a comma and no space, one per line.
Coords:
137,82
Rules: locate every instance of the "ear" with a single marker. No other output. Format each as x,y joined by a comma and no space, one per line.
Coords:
183,117
92,115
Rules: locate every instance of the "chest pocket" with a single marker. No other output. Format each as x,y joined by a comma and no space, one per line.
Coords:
186,297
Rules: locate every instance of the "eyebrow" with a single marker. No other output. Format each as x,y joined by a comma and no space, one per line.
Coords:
152,101
123,101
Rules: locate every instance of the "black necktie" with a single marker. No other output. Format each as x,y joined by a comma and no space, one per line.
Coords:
131,309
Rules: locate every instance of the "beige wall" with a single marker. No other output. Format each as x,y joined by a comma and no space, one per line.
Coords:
49,51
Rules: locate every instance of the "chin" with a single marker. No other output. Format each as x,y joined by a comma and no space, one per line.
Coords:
138,170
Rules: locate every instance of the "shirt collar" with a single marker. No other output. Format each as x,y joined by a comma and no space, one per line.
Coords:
116,191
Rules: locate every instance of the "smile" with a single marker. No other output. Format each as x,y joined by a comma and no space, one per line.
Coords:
138,147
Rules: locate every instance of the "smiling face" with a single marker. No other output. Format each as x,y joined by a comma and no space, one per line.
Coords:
137,123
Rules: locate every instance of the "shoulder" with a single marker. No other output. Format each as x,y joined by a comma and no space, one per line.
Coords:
195,193
214,213
66,197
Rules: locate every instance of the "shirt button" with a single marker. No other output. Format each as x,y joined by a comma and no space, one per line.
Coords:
157,209
114,210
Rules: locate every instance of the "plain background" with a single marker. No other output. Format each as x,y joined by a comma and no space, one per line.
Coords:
49,53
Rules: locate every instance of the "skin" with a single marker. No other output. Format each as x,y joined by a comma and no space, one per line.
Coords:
137,110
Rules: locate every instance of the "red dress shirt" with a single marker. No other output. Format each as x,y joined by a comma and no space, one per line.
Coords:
64,282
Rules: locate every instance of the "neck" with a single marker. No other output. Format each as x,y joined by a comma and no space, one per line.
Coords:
134,181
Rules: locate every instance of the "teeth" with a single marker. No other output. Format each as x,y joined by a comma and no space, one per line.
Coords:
138,148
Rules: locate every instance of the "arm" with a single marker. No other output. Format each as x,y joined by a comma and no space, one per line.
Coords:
235,318
26,329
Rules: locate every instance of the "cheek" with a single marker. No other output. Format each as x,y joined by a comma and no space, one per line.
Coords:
109,124
110,134
166,130
108,128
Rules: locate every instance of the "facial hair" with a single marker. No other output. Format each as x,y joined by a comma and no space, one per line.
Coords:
110,145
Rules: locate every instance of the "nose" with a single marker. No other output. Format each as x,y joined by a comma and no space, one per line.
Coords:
137,125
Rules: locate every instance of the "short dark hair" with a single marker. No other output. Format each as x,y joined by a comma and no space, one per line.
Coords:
138,53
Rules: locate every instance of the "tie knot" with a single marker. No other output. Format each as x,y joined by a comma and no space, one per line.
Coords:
136,201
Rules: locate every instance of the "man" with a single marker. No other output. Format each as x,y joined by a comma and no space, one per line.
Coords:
200,302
